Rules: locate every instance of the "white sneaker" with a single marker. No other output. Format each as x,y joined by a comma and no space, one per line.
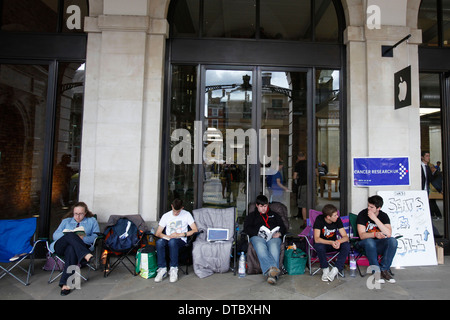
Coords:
161,274
334,271
173,273
325,272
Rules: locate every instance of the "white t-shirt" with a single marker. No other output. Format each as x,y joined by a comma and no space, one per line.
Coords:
176,224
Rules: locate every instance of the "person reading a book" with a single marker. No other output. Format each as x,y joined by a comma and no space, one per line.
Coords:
74,240
326,229
265,229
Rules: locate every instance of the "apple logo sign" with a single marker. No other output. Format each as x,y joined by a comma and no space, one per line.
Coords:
403,90
402,83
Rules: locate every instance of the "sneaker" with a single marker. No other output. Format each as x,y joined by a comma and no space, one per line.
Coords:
271,280
334,271
273,272
387,276
161,274
379,278
325,272
173,273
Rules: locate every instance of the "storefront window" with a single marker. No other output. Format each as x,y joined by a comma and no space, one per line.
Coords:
255,19
23,100
229,18
67,145
431,142
328,136
286,20
182,116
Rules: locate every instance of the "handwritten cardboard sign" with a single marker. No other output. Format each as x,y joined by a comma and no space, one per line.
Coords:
410,217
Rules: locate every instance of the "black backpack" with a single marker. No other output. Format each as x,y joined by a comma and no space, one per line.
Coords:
122,236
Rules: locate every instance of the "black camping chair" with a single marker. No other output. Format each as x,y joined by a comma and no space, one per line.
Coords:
124,235
184,254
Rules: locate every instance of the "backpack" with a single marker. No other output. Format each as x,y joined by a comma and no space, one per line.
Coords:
122,236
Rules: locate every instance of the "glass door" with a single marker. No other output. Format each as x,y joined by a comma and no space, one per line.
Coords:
227,120
284,100
250,145
254,130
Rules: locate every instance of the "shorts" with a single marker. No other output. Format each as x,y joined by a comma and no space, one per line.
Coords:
301,196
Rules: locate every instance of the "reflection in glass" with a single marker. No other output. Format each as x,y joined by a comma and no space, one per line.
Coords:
67,145
284,106
228,105
182,116
23,98
431,140
327,106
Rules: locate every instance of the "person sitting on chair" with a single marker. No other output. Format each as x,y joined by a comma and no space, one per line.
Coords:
176,222
267,248
326,228
375,231
74,239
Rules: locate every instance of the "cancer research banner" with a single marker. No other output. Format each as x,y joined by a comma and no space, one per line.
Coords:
368,172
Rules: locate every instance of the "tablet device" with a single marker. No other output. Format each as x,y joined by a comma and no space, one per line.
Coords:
217,234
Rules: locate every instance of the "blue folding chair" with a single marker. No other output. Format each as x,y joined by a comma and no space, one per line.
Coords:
17,243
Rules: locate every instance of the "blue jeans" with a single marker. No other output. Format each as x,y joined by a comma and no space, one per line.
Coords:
268,252
174,247
322,250
387,247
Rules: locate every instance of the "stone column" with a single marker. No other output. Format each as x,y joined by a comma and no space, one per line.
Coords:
122,123
375,128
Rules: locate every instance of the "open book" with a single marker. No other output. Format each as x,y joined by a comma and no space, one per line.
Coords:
78,230
267,234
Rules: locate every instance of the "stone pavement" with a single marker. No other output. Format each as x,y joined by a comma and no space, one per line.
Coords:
430,282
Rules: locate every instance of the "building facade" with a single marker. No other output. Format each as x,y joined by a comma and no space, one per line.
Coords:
138,103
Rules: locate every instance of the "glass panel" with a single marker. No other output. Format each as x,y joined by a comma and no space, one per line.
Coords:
185,19
74,13
328,138
327,27
30,15
229,18
431,142
284,106
228,106
182,116
286,20
427,21
23,98
67,145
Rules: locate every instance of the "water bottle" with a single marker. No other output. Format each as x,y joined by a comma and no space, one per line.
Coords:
241,269
352,265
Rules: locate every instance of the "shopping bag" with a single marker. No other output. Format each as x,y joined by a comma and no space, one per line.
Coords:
146,264
295,261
